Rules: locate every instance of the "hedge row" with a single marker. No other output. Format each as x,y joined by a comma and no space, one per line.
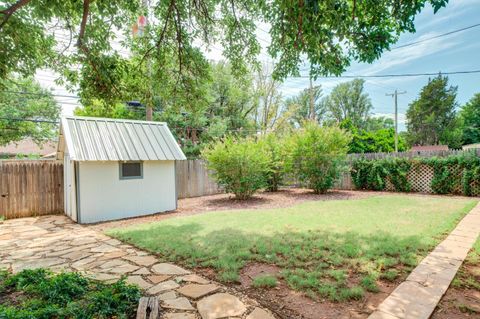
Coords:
448,173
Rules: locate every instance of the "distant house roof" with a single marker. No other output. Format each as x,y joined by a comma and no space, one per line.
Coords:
28,147
429,148
471,146
102,139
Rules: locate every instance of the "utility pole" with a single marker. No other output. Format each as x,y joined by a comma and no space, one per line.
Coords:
149,97
312,103
395,96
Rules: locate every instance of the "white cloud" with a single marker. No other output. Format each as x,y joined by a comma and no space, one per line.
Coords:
403,56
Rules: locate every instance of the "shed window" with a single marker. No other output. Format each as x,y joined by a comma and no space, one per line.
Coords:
131,170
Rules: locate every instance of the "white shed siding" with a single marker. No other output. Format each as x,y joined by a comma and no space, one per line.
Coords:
104,196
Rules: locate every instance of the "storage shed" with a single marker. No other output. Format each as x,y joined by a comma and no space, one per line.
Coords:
117,168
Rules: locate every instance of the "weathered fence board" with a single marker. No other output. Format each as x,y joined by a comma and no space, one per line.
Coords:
193,179
30,188
411,154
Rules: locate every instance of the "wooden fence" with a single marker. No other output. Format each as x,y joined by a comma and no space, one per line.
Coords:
412,154
30,188
193,179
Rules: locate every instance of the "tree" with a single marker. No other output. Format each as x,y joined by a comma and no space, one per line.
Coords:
23,98
378,137
382,140
378,123
431,117
300,106
330,34
269,107
348,101
470,115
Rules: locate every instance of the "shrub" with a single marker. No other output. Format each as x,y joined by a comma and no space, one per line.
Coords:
373,174
273,147
317,155
456,174
239,165
41,294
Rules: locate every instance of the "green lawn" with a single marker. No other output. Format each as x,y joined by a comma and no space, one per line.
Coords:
333,249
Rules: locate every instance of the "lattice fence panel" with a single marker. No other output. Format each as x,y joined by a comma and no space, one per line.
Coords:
420,178
475,186
456,174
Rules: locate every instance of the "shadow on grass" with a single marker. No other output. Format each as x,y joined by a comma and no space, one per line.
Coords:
338,266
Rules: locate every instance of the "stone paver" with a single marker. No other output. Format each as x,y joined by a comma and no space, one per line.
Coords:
419,295
259,313
220,305
163,286
179,315
57,243
194,278
158,278
196,291
168,269
139,281
180,303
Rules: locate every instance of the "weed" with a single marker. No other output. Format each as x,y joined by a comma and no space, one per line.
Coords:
265,281
369,283
390,275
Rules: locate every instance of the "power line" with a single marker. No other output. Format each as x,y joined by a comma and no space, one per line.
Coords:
436,37
390,75
41,94
27,120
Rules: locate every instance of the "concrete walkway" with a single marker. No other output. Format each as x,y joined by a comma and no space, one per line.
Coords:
419,295
55,242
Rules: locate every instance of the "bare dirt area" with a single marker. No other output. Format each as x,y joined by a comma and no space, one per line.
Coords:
461,301
288,304
222,202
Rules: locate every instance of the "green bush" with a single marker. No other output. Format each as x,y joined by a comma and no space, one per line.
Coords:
451,175
239,165
316,155
273,147
41,294
373,174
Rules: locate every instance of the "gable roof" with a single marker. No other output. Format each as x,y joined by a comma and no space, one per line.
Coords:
27,147
103,139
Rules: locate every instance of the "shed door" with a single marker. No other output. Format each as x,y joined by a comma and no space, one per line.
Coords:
69,178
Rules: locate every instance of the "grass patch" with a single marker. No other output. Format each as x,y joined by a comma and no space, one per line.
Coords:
320,247
468,275
265,281
41,294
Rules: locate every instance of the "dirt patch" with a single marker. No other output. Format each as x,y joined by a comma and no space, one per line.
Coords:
287,303
221,202
461,302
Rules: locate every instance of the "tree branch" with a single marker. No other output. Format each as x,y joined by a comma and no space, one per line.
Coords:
162,34
11,10
81,34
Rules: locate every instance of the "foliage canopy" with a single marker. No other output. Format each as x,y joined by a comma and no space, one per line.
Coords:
25,99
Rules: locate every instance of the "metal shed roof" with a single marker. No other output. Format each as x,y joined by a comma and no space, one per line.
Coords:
102,139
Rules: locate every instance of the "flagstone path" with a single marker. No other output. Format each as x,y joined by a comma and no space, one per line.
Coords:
57,243
419,295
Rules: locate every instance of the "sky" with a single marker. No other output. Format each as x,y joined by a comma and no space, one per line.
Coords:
456,52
